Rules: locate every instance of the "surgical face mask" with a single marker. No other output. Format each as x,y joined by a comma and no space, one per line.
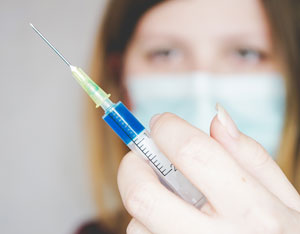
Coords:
256,102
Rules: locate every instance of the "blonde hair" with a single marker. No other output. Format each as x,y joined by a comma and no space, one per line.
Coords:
107,149
285,24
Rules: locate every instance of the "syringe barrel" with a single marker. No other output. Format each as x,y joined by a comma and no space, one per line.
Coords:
137,138
123,122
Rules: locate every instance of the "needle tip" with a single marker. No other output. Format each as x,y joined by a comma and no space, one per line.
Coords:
52,47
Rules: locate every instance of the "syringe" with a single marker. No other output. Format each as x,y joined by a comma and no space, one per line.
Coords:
134,135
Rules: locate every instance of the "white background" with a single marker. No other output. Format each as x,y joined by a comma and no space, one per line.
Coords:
44,178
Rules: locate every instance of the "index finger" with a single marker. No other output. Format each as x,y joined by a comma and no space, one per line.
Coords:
149,202
206,164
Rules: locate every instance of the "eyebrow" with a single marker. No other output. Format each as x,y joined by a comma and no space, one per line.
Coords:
163,38
248,37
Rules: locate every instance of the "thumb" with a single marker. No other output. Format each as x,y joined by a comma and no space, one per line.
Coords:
253,158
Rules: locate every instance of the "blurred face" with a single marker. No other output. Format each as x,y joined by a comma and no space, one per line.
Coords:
181,48
216,36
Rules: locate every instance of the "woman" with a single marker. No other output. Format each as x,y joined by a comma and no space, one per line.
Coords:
232,41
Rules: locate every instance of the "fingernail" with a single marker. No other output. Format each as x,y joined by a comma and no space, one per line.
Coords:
227,122
153,120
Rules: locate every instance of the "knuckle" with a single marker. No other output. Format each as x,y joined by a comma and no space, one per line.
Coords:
139,201
163,120
123,165
132,227
265,221
260,157
194,148
272,225
166,116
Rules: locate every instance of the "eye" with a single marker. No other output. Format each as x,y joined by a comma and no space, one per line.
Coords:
249,55
164,54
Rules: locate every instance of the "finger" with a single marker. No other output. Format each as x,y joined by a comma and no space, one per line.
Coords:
206,164
251,156
150,203
135,227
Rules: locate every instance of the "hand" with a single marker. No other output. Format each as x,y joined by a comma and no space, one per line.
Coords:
246,190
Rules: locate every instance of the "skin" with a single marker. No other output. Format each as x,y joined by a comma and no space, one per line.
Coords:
233,171
226,40
246,190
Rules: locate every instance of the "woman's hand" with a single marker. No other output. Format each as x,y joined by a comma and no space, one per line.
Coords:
246,190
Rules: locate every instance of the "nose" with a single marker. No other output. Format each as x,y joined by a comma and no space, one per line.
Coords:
204,59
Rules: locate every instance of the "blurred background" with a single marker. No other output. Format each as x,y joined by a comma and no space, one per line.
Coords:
44,174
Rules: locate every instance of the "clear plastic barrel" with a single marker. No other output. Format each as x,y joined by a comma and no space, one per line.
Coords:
172,178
